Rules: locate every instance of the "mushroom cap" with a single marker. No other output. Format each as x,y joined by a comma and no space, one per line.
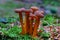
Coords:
32,16
19,10
34,8
28,11
39,14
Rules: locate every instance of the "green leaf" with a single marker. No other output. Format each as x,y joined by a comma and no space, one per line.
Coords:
12,32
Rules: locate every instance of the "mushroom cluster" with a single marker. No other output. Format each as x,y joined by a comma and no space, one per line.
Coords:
31,20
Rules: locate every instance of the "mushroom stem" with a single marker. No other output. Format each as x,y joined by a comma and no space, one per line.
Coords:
33,8
37,22
32,16
24,25
35,27
21,21
27,14
27,23
31,27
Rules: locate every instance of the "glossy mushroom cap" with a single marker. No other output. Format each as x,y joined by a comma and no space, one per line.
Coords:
34,8
27,11
39,14
19,10
32,16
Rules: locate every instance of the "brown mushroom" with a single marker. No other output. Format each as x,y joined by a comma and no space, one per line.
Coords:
33,8
19,11
27,14
31,18
37,21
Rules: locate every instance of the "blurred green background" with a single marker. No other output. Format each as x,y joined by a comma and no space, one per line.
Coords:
7,6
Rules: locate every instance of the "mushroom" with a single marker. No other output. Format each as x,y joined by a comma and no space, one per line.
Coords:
27,14
19,11
33,8
31,18
37,21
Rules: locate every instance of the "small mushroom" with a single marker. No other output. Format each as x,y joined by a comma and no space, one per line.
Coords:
31,18
33,8
19,11
27,14
37,22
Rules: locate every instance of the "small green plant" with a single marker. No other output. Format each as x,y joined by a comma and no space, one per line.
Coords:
49,20
2,25
11,20
45,34
12,32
